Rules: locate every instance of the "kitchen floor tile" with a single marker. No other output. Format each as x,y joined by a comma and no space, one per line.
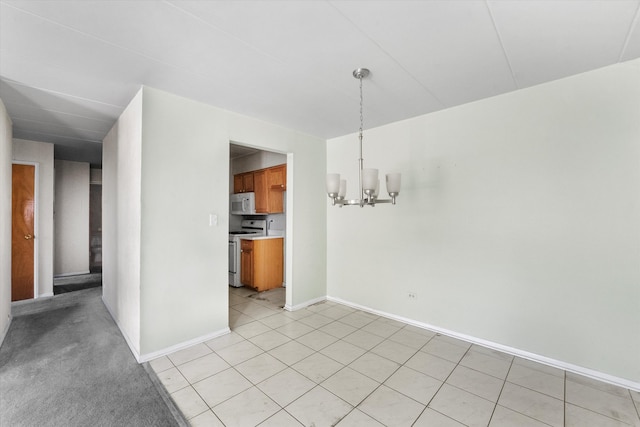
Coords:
317,367
431,365
394,351
252,329
221,386
357,319
419,330
260,368
602,402
276,320
281,419
462,406
189,402
444,349
298,314
319,407
294,330
189,354
357,418
363,339
375,367
317,340
349,385
224,341
539,367
238,319
532,404
418,386
576,416
172,380
391,408
431,418
484,363
249,408
240,352
381,328
206,419
539,381
505,417
410,339
160,364
291,352
476,382
286,386
343,352
491,352
203,367
270,340
336,312
316,321
337,329
598,385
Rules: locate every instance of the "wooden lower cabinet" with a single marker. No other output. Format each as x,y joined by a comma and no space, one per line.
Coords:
261,263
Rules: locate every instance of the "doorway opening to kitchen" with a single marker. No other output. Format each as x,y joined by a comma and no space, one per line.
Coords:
258,218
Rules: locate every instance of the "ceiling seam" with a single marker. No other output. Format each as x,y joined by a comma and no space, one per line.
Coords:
504,50
65,137
627,39
17,118
110,121
443,104
127,49
247,44
119,107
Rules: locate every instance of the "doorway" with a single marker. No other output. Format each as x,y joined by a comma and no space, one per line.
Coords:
23,248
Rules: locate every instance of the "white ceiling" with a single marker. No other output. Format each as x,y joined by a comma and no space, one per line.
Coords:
68,68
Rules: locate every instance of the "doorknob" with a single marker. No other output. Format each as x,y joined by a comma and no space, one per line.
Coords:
28,237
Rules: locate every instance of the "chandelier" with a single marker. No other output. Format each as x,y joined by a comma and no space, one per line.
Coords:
368,178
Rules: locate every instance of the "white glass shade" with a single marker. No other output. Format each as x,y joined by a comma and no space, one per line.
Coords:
369,179
333,183
343,188
377,189
393,183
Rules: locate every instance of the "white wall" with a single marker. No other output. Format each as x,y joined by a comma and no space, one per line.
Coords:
185,177
121,205
42,154
5,220
518,222
71,218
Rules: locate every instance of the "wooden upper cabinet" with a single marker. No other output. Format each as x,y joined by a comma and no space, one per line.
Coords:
268,184
243,182
277,177
260,188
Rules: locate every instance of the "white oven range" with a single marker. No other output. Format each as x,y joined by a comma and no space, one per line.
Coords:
254,227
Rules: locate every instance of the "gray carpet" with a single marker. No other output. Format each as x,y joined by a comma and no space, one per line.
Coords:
65,363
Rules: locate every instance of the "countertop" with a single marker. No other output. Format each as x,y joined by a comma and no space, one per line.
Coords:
249,237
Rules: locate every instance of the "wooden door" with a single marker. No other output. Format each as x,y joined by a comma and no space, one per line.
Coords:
276,184
22,232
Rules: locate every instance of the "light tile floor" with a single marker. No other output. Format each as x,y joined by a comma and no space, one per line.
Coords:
332,365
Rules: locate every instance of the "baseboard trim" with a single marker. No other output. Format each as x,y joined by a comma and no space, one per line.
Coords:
3,334
304,304
181,346
133,350
77,273
590,373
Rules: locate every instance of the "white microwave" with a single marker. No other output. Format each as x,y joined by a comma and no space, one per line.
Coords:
243,204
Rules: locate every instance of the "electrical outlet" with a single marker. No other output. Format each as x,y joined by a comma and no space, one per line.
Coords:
412,295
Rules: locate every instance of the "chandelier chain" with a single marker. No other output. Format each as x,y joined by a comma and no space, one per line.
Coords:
361,116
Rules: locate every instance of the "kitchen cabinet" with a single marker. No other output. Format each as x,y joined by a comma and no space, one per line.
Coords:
269,186
243,182
262,263
260,188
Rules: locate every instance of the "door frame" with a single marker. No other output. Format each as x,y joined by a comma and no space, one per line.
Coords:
36,220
